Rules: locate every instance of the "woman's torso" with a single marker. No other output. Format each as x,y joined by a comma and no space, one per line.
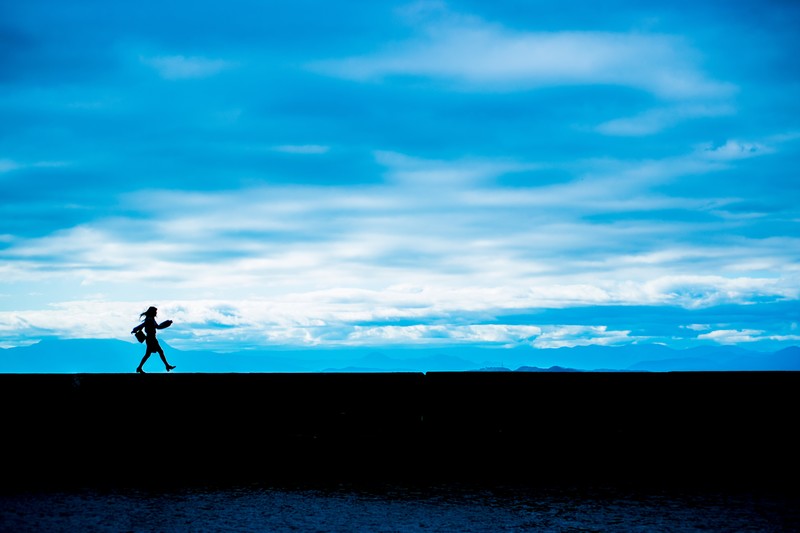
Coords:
150,326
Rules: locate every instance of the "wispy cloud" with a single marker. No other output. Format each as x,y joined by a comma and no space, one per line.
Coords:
302,148
570,336
332,265
467,53
732,336
179,67
735,149
475,54
410,171
7,165
655,120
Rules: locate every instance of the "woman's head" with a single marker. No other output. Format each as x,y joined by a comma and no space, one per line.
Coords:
151,311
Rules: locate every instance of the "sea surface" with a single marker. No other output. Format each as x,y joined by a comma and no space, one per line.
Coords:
396,508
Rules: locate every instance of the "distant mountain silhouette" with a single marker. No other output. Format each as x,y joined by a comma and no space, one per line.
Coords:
730,360
117,356
60,356
551,369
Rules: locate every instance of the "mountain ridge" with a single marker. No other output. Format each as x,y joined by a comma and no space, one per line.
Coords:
116,356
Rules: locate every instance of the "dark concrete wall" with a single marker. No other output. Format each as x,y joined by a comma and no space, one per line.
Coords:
693,428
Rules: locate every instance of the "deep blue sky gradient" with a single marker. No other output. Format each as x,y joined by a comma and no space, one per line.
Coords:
401,173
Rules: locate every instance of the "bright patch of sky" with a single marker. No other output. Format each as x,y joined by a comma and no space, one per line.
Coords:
401,173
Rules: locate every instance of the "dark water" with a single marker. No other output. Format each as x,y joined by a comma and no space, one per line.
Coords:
396,508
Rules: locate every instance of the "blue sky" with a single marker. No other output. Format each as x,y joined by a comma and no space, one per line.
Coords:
306,173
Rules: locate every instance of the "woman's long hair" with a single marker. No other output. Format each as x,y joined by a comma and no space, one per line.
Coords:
151,311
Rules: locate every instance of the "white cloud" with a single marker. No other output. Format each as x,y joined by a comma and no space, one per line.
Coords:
178,67
697,327
302,148
732,336
497,334
314,264
466,53
335,316
522,240
7,165
570,336
472,53
734,149
698,291
405,170
655,120
215,324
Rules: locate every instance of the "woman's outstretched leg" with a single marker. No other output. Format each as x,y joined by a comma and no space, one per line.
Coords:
144,360
164,359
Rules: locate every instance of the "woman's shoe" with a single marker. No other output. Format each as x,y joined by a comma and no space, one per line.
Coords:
139,370
170,367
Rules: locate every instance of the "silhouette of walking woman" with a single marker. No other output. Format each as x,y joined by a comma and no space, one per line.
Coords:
150,326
